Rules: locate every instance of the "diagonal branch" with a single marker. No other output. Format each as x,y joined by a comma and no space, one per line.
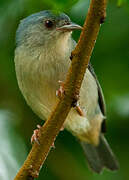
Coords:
81,56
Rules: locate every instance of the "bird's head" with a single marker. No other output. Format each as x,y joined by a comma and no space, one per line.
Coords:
45,27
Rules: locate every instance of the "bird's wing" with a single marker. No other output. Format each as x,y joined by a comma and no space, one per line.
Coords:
101,100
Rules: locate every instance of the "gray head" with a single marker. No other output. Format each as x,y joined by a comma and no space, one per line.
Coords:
44,27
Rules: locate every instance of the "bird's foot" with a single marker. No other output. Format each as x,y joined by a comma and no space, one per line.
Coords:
79,110
75,104
35,135
60,91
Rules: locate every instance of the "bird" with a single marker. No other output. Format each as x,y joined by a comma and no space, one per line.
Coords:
42,58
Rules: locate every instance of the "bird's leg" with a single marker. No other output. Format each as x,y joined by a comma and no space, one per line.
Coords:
35,135
59,94
79,110
60,91
75,104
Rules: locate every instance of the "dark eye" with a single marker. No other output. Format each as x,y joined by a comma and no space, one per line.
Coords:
49,23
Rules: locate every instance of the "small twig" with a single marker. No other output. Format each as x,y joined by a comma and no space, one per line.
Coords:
80,59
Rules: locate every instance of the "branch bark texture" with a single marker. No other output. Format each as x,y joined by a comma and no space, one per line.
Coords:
81,56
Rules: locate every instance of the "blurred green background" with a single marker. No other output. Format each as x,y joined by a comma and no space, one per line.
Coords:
111,63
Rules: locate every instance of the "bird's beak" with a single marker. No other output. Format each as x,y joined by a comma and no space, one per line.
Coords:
69,27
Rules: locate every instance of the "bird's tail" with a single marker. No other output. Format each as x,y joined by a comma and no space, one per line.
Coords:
101,156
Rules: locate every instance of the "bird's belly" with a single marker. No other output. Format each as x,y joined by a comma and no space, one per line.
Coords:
43,98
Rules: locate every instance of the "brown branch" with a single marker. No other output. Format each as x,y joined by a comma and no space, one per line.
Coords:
81,56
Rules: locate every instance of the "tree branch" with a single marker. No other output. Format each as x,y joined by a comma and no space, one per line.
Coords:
81,56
